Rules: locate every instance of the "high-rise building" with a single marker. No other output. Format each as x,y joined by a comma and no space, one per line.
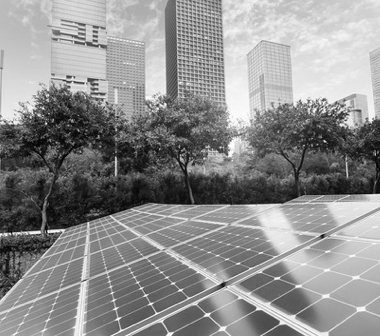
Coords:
78,48
126,74
194,48
374,57
269,76
358,109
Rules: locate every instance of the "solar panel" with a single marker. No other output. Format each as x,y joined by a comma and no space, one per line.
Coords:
368,228
307,267
230,251
54,314
180,233
222,313
157,225
312,218
197,211
231,214
129,295
327,287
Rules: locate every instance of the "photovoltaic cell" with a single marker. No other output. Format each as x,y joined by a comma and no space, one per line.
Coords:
58,259
222,313
327,287
43,283
313,218
181,232
231,214
361,198
140,219
304,199
158,225
165,209
232,250
197,211
329,198
123,254
129,295
66,243
52,315
368,228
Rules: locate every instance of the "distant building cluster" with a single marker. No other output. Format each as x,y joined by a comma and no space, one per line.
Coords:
85,59
112,69
357,107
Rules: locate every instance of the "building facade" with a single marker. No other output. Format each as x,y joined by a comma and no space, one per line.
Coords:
358,109
194,49
78,48
126,75
374,57
269,76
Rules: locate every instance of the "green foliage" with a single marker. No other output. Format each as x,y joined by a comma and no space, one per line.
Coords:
57,124
181,129
18,253
364,144
294,130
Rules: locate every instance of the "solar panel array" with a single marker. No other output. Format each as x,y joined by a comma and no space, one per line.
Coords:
307,267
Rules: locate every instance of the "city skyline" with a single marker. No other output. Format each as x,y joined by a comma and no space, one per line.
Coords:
330,45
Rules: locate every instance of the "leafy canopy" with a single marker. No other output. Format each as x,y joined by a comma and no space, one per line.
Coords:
293,130
364,144
183,128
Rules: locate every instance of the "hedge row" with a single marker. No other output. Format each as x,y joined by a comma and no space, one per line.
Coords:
81,198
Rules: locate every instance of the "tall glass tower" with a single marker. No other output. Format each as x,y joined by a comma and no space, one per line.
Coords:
374,57
194,48
126,74
269,76
79,42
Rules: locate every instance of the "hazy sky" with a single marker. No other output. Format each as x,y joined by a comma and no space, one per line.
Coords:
330,42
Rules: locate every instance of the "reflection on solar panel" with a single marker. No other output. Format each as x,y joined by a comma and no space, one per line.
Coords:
313,218
307,267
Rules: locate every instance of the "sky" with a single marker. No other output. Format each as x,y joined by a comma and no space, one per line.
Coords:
330,44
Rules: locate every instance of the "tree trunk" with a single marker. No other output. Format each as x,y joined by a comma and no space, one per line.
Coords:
297,182
44,226
376,183
188,187
44,222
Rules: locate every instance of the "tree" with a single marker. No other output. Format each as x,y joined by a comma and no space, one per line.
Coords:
294,130
364,144
182,129
57,124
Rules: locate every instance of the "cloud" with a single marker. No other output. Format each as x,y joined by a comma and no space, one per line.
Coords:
33,14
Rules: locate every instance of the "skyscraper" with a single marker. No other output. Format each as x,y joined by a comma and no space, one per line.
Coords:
374,57
79,42
269,76
358,108
194,48
126,74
